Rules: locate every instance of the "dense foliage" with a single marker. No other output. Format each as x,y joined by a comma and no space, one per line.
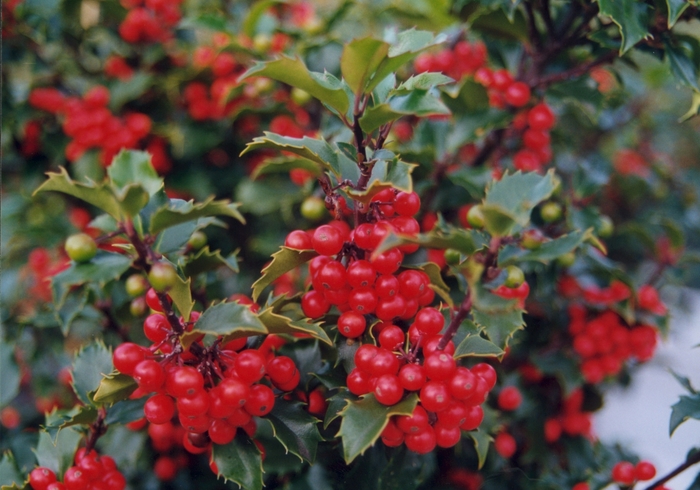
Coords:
400,244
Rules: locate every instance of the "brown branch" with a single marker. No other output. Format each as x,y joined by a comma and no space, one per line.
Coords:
493,140
97,430
547,17
456,321
112,323
576,71
532,32
692,460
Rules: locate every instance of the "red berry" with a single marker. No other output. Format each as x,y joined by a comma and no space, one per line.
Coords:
384,362
41,477
407,203
184,381
391,336
260,401
541,117
446,436
75,479
250,366
487,373
358,382
434,396
281,369
644,470
361,274
327,240
298,240
363,300
364,355
462,384
388,390
429,321
412,377
351,324
439,366
314,304
126,356
197,404
149,375
414,423
221,432
505,445
623,473
422,442
473,418
509,398
517,94
159,409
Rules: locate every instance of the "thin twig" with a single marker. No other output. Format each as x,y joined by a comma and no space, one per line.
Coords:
692,460
456,321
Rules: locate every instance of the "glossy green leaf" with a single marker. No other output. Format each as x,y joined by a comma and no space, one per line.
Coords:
280,324
205,260
283,261
70,308
547,252
80,415
466,241
312,149
181,294
473,179
240,462
476,345
336,405
470,127
125,411
284,165
423,81
10,476
386,174
295,428
510,201
501,25
631,16
417,102
104,267
682,66
500,326
360,59
179,211
481,443
292,71
407,46
256,11
114,387
687,407
9,373
228,320
675,10
90,365
407,470
365,419
131,167
57,456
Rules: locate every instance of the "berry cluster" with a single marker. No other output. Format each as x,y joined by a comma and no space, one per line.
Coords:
463,59
626,473
502,89
572,421
149,21
213,391
605,343
91,124
535,125
90,472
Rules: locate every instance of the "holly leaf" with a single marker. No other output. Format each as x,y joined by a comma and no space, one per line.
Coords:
465,241
255,12
417,102
283,261
79,415
315,150
437,284
292,71
632,18
547,252
360,59
181,295
9,373
57,456
687,407
285,165
295,429
473,179
70,308
481,443
385,174
476,345
179,211
336,405
509,201
205,260
365,419
10,476
114,387
407,46
675,10
90,365
134,167
125,411
500,326
280,324
104,267
240,462
423,81
228,320
682,67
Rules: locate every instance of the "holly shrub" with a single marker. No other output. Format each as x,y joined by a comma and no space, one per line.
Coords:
406,244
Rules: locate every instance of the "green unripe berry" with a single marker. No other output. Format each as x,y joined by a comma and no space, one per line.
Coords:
261,42
550,212
299,96
514,276
313,208
138,306
605,227
81,247
532,239
136,285
566,260
452,256
197,240
475,217
162,276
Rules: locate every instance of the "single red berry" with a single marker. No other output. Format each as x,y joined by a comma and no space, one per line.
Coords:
414,423
462,384
391,336
644,470
505,445
75,479
159,409
364,355
541,117
149,375
314,304
361,274
327,240
126,356
197,404
260,401
221,432
422,442
435,396
439,366
517,94
298,240
41,477
281,369
412,377
473,419
446,436
184,381
351,324
486,372
358,382
250,366
429,321
407,203
363,300
388,391
509,398
623,473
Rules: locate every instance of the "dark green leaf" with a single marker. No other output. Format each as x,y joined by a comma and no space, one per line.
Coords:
675,10
283,261
10,475
687,407
561,366
406,470
134,167
181,294
229,320
360,59
424,81
280,324
284,165
682,67
9,373
60,419
476,345
497,23
547,252
481,444
466,241
70,308
336,405
178,211
124,445
256,11
205,260
90,365
501,326
296,429
385,174
473,179
471,126
684,382
510,201
365,419
631,16
125,411
58,456
114,387
240,462
416,102
123,91
292,71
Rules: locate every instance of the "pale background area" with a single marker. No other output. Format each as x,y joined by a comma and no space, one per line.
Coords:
638,416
